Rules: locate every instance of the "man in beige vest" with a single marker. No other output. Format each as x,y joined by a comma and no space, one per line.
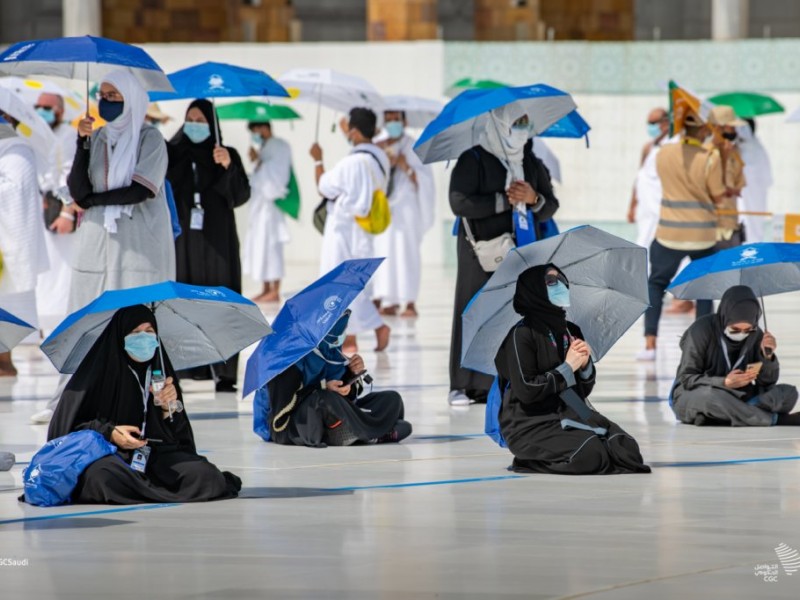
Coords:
692,187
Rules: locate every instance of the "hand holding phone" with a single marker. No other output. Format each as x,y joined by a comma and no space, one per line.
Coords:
354,378
754,367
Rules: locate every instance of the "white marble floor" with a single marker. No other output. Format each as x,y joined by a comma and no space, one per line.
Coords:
438,516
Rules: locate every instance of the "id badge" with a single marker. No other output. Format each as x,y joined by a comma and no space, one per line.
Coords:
140,456
196,220
522,220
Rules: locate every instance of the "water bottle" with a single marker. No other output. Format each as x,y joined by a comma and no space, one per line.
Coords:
157,382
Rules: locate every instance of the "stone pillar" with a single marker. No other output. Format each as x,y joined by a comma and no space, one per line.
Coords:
82,17
729,19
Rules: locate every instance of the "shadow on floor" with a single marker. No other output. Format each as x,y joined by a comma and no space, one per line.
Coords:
290,492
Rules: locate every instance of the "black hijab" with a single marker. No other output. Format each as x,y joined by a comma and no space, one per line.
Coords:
104,389
183,152
532,302
738,305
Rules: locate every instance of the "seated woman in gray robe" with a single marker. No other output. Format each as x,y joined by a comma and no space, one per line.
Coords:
728,374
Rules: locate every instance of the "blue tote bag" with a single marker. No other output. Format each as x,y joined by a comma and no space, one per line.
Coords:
54,470
492,422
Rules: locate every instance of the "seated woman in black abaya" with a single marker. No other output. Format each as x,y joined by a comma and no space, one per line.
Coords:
541,358
107,394
312,404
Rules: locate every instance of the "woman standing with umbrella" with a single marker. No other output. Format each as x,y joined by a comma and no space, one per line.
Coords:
488,182
546,372
209,182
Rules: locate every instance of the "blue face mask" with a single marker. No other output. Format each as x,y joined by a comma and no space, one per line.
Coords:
653,130
110,110
197,132
141,347
256,139
394,129
336,342
47,114
558,295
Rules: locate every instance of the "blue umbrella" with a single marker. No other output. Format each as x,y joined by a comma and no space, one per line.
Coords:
220,80
461,122
79,57
608,292
197,325
767,268
306,319
572,125
12,330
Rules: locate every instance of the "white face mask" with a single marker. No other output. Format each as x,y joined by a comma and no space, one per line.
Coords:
518,138
739,336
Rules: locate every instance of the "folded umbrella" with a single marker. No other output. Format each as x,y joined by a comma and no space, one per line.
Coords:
608,292
12,330
197,325
462,121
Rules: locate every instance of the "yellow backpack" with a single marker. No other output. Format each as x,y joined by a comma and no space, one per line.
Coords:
380,215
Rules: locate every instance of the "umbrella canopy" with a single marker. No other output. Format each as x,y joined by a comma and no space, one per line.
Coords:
608,292
30,89
419,111
86,57
220,80
250,110
197,325
748,105
12,330
305,320
572,125
767,268
461,122
333,89
31,128
468,83
681,103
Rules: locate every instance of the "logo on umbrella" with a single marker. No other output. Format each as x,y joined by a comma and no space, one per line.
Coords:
216,82
18,52
261,110
210,293
330,304
749,256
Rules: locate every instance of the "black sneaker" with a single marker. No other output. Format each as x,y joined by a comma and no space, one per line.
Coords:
226,386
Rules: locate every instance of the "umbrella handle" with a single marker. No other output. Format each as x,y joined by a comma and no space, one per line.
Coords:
87,143
764,312
319,106
216,125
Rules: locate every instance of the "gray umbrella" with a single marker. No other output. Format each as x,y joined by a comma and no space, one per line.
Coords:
608,292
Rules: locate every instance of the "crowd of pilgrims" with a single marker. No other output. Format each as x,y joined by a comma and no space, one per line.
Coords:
118,195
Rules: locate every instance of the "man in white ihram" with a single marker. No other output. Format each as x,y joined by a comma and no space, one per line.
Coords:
411,198
758,173
349,187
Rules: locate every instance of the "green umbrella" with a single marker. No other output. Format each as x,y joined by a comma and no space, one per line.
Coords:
747,105
468,83
250,110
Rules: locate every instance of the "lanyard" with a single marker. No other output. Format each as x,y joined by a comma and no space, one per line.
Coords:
196,185
727,359
145,395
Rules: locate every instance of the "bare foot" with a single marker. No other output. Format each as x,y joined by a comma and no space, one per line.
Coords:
350,345
410,311
390,311
382,336
7,368
258,299
271,297
679,307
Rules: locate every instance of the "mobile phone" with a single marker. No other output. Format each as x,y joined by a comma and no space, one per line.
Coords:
354,378
754,367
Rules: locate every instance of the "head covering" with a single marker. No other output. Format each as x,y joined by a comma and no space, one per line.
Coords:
532,302
123,132
154,112
326,361
183,153
723,115
105,389
739,305
496,137
693,120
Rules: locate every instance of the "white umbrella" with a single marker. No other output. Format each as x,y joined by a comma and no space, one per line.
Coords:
794,117
30,90
32,128
419,111
333,89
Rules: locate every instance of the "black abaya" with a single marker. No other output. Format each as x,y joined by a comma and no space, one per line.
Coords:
321,417
209,256
478,177
103,393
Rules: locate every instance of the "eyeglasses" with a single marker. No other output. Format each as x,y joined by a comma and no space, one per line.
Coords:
550,280
109,96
